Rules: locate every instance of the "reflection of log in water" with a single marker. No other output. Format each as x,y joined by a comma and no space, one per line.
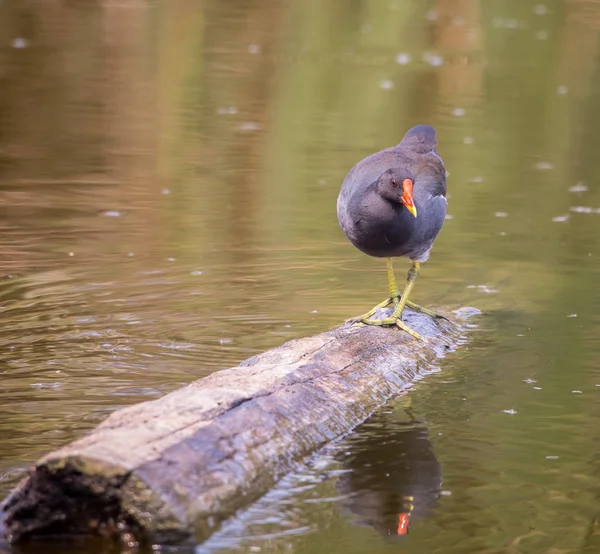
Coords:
394,475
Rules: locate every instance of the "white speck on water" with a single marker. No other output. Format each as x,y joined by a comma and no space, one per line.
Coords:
86,319
502,233
577,392
448,216
562,90
71,254
476,179
386,84
446,493
433,59
225,341
165,191
529,381
254,549
501,214
459,112
224,110
520,335
458,21
572,315
542,35
537,388
196,272
387,474
561,218
131,254
403,59
314,312
544,166
505,23
249,126
510,412
483,288
111,213
552,457
468,140
254,49
579,187
432,15
540,9
19,43
585,210
171,259
41,386
288,326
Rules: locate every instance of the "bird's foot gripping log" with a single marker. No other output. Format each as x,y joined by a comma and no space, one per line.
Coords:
399,301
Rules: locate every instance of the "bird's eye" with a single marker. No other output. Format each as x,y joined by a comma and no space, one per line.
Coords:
393,182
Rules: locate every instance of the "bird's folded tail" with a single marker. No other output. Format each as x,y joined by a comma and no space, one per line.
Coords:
421,139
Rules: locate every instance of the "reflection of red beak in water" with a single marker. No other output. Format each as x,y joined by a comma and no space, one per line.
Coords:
403,522
404,517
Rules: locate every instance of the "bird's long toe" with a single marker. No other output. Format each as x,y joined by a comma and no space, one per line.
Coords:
426,311
387,302
391,322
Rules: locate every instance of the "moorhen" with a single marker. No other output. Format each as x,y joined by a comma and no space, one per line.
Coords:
393,203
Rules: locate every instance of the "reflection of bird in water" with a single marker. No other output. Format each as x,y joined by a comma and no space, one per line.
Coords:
394,475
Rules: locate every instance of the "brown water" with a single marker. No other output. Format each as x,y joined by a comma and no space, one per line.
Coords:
168,177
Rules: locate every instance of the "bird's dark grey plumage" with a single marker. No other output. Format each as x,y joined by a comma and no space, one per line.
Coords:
383,228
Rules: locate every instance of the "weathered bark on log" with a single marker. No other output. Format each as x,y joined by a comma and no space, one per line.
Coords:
178,466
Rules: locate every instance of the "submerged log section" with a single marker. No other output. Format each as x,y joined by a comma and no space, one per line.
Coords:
178,466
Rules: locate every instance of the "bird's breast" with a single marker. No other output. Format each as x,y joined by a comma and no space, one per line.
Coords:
383,233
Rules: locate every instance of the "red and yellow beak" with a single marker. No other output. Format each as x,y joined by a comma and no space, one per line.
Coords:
407,197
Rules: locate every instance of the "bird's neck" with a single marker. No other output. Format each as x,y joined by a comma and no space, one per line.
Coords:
377,207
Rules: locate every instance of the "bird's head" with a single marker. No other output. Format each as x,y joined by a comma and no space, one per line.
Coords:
396,186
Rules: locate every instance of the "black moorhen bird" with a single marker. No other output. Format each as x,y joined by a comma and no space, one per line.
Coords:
393,203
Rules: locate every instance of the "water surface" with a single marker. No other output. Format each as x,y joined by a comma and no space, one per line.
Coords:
168,177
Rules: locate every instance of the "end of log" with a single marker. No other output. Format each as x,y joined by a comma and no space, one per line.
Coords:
78,495
176,467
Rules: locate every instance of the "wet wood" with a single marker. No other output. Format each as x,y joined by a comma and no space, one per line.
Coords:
178,466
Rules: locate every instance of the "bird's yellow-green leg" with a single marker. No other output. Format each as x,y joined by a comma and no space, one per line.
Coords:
394,298
393,289
396,317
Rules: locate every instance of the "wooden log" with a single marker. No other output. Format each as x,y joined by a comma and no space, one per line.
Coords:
176,467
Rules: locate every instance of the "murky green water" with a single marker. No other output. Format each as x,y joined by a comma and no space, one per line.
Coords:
168,177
